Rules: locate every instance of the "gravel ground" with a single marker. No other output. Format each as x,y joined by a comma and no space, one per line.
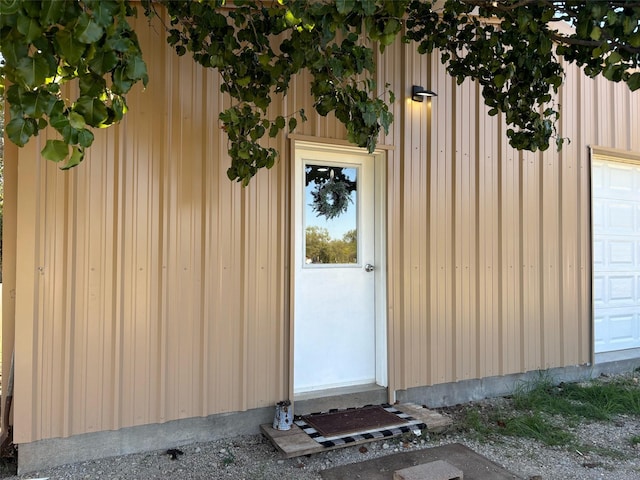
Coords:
607,453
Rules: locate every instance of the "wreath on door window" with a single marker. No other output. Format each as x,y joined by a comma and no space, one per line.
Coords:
331,199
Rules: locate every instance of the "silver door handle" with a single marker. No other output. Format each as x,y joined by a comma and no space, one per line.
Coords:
369,268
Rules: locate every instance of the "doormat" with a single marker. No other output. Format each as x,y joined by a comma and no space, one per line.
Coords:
339,427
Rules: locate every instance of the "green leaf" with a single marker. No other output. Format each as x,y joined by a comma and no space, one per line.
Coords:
369,115
51,11
55,150
244,81
121,82
345,6
92,85
596,33
629,25
76,157
76,120
40,102
30,28
60,122
9,7
119,43
14,51
19,130
85,138
614,57
92,109
368,7
33,71
634,81
103,62
293,123
104,11
136,69
87,30
119,106
70,48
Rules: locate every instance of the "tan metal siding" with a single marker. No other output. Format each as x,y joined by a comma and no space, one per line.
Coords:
150,288
496,256
159,287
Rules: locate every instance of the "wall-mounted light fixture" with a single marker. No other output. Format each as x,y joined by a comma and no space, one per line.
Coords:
418,93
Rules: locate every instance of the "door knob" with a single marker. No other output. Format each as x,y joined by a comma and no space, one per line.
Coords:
369,268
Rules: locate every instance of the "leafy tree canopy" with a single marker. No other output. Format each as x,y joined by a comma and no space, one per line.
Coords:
512,48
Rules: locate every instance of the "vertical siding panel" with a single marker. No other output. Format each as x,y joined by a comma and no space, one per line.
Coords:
48,361
147,149
588,128
134,314
415,190
29,352
93,238
550,272
9,273
258,347
488,208
569,319
465,233
621,116
55,268
569,214
531,239
605,115
443,189
511,259
390,69
584,269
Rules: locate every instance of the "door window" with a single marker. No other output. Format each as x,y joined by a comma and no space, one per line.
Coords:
331,215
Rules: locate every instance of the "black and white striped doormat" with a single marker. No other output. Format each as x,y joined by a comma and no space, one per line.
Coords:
406,423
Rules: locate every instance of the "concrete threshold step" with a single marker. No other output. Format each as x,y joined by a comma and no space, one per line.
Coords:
295,442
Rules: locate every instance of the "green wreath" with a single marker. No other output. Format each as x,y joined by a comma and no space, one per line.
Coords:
331,199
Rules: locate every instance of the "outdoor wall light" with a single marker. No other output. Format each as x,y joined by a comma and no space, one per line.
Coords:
418,93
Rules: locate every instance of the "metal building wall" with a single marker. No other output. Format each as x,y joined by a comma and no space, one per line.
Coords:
150,288
490,248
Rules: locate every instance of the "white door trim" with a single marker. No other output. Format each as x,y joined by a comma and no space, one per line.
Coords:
380,272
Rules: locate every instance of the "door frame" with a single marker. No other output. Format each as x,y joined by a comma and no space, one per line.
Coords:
379,158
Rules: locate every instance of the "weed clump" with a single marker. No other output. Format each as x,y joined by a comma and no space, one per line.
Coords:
547,412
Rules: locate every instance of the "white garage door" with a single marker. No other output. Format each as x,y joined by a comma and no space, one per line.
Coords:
616,254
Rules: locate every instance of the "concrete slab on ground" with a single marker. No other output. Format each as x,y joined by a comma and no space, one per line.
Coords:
473,465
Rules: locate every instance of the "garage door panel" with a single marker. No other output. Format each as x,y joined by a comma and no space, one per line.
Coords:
616,255
621,217
621,182
623,330
621,254
622,290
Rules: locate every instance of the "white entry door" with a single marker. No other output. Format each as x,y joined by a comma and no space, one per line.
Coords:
335,269
616,254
